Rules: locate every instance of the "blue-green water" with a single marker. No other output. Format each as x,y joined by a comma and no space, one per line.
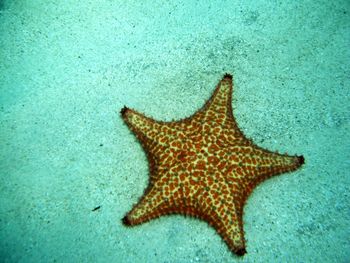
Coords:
66,70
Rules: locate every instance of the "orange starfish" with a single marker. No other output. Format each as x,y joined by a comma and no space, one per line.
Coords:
203,166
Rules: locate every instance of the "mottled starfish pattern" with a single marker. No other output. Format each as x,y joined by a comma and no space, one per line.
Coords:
203,166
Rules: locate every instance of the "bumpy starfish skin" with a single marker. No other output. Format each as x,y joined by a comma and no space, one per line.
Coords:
203,166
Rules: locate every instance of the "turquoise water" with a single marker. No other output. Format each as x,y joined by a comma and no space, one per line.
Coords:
67,69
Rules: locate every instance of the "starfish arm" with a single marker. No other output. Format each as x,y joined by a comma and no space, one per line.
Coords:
149,131
229,225
152,205
222,209
145,129
261,164
218,108
272,164
216,115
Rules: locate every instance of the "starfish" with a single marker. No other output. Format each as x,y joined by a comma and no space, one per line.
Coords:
203,166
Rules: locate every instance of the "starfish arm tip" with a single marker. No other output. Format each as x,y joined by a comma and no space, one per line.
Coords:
240,252
301,159
227,76
124,110
126,221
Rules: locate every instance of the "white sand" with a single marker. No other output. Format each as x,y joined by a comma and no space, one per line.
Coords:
66,69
